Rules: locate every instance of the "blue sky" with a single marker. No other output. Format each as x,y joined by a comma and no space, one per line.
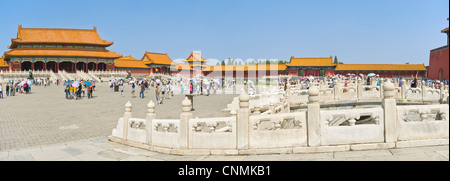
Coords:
356,31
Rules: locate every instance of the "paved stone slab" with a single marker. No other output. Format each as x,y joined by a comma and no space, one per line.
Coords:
221,158
72,151
111,154
3,154
362,154
25,151
50,155
140,158
48,120
25,157
88,156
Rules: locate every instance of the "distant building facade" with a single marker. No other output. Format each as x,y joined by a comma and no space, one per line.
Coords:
439,61
59,49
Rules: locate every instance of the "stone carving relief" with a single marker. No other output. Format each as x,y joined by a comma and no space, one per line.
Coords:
277,123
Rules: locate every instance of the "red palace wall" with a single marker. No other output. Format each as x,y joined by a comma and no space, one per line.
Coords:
438,60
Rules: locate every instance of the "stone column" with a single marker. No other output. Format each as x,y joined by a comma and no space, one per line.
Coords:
313,117
148,121
390,113
359,88
242,124
126,117
186,115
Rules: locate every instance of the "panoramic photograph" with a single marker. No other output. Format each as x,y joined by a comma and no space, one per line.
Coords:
204,80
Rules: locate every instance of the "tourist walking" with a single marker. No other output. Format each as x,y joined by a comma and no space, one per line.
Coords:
89,92
67,91
163,91
141,94
121,89
7,89
1,90
158,97
132,90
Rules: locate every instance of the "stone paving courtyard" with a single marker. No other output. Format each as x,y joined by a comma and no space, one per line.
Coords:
45,117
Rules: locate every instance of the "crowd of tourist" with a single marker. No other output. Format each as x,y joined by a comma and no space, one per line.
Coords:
75,90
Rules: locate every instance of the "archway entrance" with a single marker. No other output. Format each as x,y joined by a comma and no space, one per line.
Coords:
51,66
91,66
67,66
26,66
80,66
101,66
39,65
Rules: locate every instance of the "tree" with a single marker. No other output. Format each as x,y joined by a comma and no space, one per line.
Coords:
229,62
336,60
223,62
407,63
218,63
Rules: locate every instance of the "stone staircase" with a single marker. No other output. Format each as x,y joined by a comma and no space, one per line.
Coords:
94,77
84,76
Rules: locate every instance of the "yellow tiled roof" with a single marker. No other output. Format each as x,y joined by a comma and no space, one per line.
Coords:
2,62
129,62
54,35
195,57
381,67
311,62
156,58
63,53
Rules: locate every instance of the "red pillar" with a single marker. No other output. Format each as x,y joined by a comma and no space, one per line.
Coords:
73,67
32,65
45,65
96,66
10,66
57,67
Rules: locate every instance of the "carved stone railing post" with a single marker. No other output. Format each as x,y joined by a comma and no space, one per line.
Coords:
337,89
381,88
257,110
243,121
288,98
148,121
186,115
390,113
424,90
403,89
441,92
126,117
359,88
233,113
313,117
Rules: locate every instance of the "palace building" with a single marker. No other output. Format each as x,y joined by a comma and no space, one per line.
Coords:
439,60
132,65
59,49
3,65
83,50
157,62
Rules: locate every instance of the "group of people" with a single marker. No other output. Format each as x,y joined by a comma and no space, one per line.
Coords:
12,87
78,89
